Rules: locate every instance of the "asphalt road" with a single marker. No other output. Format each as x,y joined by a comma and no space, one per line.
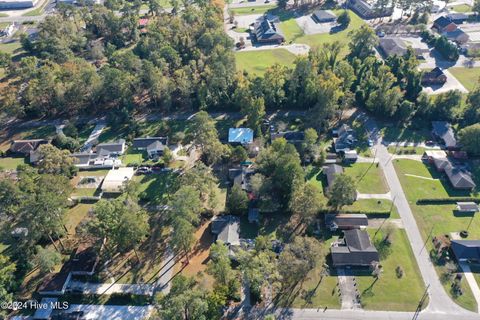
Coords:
439,301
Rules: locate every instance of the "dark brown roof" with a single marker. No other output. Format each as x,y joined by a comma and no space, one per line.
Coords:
55,282
85,259
25,146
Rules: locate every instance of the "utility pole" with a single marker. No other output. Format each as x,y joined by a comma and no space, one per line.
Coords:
420,303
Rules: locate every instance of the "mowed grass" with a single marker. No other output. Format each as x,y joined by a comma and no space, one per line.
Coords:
390,292
369,177
318,291
469,77
251,10
462,8
291,30
379,206
257,61
436,220
10,163
318,40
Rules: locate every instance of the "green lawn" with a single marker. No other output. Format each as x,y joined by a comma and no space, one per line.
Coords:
469,77
36,12
466,300
85,192
291,30
251,10
436,220
317,40
462,8
257,62
390,292
93,173
3,15
155,187
373,205
369,177
318,292
406,150
10,163
11,47
133,156
75,215
396,134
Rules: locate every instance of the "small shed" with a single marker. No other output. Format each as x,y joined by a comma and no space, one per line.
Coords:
467,207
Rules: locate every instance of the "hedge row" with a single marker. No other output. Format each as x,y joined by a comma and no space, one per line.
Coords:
447,200
375,214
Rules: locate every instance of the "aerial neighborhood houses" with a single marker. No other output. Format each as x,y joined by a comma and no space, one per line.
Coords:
451,163
367,9
448,27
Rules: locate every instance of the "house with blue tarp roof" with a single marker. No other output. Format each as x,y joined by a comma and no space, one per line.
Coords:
240,135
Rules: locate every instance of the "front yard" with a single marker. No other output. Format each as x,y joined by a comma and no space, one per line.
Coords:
11,163
369,177
418,182
469,77
391,292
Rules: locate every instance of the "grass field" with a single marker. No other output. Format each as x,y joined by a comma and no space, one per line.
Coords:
390,292
154,187
11,47
462,8
251,10
257,62
469,77
396,134
369,177
16,133
10,163
3,15
133,156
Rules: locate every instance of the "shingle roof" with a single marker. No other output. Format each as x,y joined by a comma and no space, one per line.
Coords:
25,146
110,147
331,171
442,22
342,221
324,15
466,249
443,130
356,251
145,142
267,29
459,178
227,229
457,16
155,146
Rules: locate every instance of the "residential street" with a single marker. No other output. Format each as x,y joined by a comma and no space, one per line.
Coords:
439,301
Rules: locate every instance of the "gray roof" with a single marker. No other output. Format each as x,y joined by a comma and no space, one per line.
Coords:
467,206
25,146
83,158
442,22
356,251
345,139
268,29
396,46
156,146
227,229
346,221
331,171
458,35
459,178
110,147
444,131
457,16
441,163
324,15
466,249
145,142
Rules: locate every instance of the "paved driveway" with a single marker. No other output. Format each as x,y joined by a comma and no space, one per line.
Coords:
110,312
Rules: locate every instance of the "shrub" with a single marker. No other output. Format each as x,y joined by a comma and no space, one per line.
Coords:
399,272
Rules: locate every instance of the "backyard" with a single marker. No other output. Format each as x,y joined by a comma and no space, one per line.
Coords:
11,163
251,10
